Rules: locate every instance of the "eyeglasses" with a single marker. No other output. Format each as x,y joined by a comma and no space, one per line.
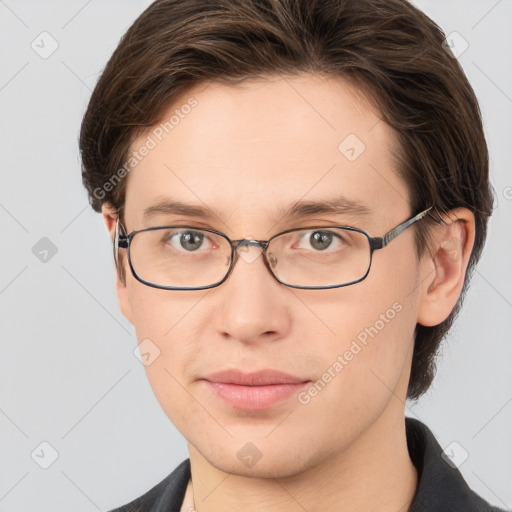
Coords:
183,257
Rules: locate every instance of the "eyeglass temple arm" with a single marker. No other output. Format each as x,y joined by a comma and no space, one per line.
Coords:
120,240
380,242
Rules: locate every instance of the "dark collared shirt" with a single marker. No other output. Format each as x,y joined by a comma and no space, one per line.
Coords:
441,487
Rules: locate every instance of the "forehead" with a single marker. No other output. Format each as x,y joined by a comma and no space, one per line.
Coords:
249,151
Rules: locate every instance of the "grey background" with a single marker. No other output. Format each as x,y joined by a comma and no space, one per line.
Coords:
67,369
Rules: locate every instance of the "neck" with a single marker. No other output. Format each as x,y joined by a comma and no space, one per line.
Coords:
374,473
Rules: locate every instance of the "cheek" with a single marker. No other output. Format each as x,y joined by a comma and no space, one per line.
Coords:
371,338
167,329
161,314
364,370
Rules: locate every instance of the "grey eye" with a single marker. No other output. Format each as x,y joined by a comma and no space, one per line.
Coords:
321,239
188,240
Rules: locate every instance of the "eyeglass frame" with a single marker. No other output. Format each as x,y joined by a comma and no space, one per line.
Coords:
123,241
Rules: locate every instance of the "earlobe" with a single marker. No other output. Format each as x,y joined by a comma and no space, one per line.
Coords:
110,216
444,266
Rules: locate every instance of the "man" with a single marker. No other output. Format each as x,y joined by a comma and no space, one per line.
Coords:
297,192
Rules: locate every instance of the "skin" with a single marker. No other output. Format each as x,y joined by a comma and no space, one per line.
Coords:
246,151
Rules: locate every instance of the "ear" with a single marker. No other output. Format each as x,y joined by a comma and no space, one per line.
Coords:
444,266
110,216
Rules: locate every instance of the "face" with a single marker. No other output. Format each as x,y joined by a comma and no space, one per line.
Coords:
247,153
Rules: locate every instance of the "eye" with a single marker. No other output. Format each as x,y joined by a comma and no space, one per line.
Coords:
320,240
188,240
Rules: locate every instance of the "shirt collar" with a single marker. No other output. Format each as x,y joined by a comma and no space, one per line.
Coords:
440,484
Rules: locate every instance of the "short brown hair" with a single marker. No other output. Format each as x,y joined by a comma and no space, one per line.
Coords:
388,48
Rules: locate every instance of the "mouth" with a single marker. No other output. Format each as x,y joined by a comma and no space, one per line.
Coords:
254,391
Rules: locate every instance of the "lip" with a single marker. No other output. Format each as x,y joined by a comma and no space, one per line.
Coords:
254,391
258,378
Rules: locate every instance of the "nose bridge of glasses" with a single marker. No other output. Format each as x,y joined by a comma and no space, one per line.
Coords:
250,241
242,248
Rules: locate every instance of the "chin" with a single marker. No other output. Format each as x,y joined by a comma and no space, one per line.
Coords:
276,468
248,460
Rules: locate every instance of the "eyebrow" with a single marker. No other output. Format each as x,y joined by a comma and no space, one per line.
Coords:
170,206
339,205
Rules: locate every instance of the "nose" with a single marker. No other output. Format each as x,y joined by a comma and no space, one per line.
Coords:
253,306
